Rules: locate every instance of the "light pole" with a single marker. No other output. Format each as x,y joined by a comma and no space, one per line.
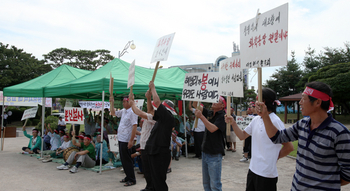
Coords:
129,44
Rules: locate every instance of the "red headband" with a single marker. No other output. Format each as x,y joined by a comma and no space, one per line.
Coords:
154,105
319,95
223,101
65,136
87,138
166,105
126,99
35,130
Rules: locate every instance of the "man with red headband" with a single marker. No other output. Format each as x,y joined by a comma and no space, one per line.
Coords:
213,146
85,158
34,142
323,157
158,143
126,134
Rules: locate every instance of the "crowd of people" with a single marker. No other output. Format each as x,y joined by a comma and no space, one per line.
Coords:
155,137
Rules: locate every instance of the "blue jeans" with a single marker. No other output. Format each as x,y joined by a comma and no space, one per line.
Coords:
211,171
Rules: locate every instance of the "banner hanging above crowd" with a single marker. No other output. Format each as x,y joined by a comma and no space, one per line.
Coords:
25,101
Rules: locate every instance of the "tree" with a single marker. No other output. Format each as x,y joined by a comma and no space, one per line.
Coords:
338,77
283,81
83,59
17,66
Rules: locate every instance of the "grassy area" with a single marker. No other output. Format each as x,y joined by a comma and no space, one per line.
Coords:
344,119
68,126
294,153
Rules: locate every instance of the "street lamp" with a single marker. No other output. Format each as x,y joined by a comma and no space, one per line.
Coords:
129,44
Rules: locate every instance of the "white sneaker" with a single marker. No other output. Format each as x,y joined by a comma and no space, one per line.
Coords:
47,160
244,160
74,169
25,153
40,158
122,169
109,164
62,167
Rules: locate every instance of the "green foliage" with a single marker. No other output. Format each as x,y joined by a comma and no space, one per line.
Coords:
83,59
52,120
17,66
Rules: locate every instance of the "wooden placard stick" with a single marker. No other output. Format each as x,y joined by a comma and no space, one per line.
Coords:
260,84
196,119
25,123
111,97
228,113
155,71
3,139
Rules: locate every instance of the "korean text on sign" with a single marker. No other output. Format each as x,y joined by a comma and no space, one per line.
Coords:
74,115
243,122
231,77
203,87
163,45
264,39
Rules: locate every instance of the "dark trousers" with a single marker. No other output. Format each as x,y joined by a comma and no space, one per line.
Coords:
198,139
259,183
146,169
34,150
159,164
127,161
247,146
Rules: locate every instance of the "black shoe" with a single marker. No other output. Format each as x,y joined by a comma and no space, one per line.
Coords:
173,158
169,170
200,157
176,158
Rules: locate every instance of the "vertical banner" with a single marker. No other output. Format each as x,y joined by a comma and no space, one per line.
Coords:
231,77
74,115
202,87
264,39
131,79
162,49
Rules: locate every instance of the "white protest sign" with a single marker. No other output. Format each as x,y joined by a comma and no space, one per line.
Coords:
203,87
69,103
93,104
131,79
29,113
162,49
113,143
243,122
74,115
264,39
231,77
139,103
25,101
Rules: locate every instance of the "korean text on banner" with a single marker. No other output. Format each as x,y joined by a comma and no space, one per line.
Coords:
162,49
113,143
74,115
29,113
139,103
203,87
231,77
25,101
264,39
93,104
131,79
243,122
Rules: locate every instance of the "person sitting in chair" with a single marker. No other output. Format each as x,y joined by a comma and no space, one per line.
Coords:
34,142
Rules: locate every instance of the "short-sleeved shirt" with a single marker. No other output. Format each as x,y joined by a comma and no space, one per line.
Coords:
200,125
128,119
159,140
264,159
214,143
90,148
61,122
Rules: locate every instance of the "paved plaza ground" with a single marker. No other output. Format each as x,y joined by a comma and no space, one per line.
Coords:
20,172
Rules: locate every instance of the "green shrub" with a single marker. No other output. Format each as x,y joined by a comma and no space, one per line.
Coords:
52,120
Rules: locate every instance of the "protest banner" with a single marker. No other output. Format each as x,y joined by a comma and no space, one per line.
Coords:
74,115
243,122
97,105
131,78
69,103
139,103
25,101
203,87
161,51
29,113
113,143
264,39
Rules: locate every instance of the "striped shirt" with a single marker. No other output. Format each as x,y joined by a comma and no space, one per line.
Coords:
323,156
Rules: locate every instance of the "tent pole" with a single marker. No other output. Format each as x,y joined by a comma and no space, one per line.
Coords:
2,120
102,124
42,124
184,113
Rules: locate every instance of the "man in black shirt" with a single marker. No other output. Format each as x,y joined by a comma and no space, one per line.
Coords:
213,146
158,143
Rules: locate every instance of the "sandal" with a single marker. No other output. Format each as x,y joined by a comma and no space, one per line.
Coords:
123,180
233,150
129,183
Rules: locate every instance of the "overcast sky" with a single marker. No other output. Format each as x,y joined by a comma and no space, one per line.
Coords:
204,29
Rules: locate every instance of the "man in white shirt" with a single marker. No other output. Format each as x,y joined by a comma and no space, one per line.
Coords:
198,134
262,174
61,124
126,134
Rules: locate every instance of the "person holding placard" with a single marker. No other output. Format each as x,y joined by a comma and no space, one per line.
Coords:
213,143
126,133
147,126
198,134
323,143
158,143
34,142
262,174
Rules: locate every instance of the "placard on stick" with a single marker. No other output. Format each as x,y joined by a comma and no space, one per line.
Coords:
131,78
29,113
113,143
74,115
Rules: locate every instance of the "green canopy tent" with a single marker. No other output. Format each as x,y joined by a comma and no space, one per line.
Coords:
169,83
35,87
